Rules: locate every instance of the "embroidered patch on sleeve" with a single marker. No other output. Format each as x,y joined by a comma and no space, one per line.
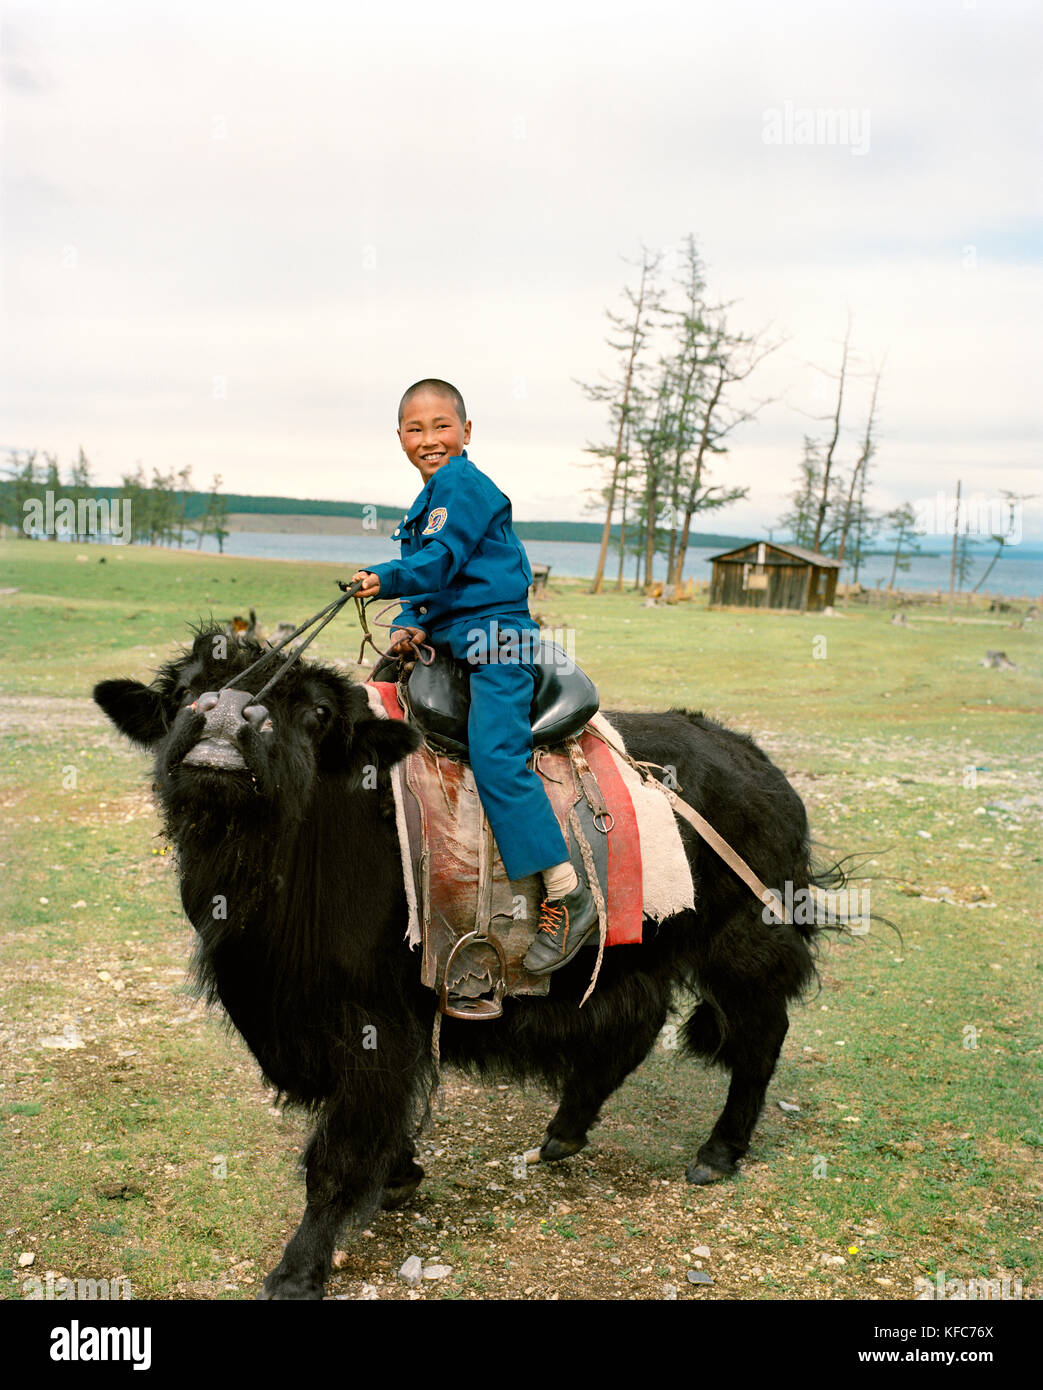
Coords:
435,521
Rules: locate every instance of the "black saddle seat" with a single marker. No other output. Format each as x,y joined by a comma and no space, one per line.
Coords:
439,697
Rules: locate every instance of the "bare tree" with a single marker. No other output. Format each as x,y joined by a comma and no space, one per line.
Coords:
728,358
799,520
1001,541
22,483
902,520
184,481
827,461
860,469
623,508
634,328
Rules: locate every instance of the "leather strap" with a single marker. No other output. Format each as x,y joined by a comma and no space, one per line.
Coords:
589,784
724,849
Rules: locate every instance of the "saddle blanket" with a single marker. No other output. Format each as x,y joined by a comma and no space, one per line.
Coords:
454,877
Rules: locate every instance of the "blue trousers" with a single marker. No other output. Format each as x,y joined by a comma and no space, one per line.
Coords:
499,735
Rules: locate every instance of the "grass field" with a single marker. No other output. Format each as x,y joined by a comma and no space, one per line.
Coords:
138,1141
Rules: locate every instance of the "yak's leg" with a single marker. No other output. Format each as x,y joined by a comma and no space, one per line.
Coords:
402,1181
342,1185
750,1048
602,1065
347,1163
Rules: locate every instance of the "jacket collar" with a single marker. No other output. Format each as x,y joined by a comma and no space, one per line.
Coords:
421,504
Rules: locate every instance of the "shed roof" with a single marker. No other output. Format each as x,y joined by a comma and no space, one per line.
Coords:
811,557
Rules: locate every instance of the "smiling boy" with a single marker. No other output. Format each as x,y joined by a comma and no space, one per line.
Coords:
466,576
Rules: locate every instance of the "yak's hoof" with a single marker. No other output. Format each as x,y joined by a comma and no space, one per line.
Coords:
291,1286
702,1173
397,1194
555,1149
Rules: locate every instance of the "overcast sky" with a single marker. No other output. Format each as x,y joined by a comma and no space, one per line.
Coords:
232,233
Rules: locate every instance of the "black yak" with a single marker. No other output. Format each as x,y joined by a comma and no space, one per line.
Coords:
283,824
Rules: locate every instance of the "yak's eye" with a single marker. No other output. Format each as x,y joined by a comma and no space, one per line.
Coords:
323,713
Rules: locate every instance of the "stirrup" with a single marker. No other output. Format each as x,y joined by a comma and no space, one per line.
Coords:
456,1007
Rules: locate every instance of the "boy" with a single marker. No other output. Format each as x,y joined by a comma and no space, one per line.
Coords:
467,576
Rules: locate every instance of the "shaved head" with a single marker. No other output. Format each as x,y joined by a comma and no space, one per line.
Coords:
440,388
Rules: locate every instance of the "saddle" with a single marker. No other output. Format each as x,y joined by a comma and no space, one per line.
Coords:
438,696
474,924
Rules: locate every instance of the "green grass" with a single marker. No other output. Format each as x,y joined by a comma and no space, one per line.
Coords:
916,1065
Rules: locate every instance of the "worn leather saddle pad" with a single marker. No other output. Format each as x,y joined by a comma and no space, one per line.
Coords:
458,879
563,702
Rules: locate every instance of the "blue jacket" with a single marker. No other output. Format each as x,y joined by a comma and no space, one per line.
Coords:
461,561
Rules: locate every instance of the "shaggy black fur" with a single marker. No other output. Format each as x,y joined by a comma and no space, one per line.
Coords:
290,874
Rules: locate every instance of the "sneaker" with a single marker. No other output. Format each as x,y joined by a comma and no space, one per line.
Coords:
565,924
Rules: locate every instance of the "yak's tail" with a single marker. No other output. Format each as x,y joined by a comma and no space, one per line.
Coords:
836,906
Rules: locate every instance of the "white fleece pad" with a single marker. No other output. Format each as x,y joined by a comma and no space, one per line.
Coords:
666,876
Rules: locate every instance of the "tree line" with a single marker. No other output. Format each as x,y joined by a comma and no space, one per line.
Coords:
164,509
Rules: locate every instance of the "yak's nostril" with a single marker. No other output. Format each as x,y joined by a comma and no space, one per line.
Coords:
255,715
206,702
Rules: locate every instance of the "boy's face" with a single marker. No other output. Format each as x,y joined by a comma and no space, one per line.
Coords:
431,432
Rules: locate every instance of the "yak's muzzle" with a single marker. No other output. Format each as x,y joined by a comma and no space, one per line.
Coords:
226,714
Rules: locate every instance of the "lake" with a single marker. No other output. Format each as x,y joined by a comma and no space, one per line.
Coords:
1016,573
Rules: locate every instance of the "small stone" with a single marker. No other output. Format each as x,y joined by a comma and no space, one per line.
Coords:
700,1252
831,1260
531,1155
789,1108
369,1292
340,1259
65,1041
670,1291
26,1259
80,903
699,1276
437,1271
412,1271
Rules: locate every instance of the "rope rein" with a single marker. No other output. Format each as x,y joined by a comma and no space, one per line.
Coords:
326,615
319,620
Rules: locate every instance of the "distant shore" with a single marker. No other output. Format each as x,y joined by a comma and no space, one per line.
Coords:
294,524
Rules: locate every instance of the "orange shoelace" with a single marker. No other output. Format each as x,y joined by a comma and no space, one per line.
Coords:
551,917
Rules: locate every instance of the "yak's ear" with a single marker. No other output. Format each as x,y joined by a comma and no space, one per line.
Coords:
387,741
135,709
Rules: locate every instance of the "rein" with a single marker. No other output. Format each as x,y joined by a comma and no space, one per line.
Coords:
326,615
321,618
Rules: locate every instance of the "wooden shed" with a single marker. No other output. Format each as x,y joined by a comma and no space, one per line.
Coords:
768,574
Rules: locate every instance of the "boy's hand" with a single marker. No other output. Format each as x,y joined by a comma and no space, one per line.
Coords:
370,583
405,640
